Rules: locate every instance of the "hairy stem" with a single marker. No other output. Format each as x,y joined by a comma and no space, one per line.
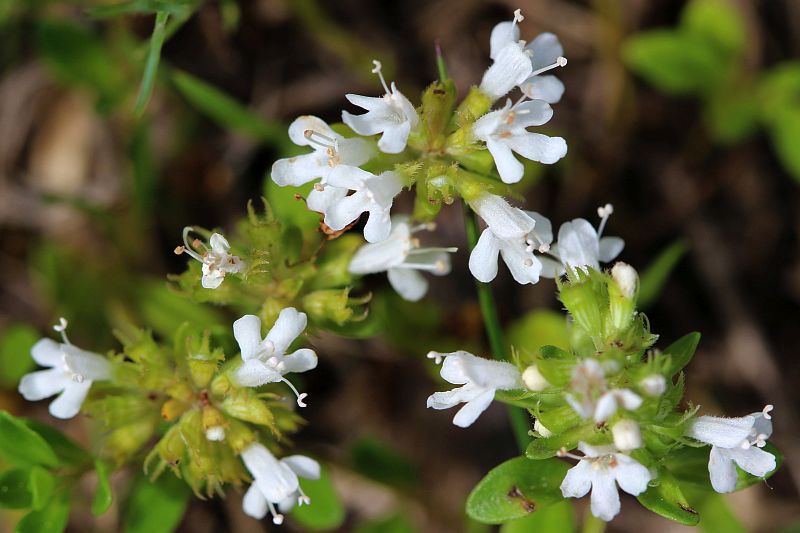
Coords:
517,416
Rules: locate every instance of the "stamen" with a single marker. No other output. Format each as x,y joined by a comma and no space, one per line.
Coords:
322,140
449,250
430,226
561,61
436,356
564,453
61,327
428,267
517,18
377,70
277,518
766,411
187,248
543,246
302,498
300,397
604,212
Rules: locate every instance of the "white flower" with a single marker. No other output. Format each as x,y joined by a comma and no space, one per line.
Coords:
626,278
534,380
504,132
265,360
600,470
401,257
331,150
373,194
654,385
392,114
580,246
545,53
627,435
217,260
479,377
589,396
735,441
70,375
275,482
510,233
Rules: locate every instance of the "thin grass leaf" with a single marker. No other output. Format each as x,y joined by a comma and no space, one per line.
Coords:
151,66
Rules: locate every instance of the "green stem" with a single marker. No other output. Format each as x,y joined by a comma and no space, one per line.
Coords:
517,416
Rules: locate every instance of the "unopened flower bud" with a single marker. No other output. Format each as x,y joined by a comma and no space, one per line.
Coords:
541,430
626,278
627,436
622,295
534,380
216,433
654,385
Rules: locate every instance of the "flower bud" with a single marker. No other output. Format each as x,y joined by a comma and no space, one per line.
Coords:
213,423
248,407
331,305
534,380
171,448
622,295
627,436
586,303
541,430
626,278
654,385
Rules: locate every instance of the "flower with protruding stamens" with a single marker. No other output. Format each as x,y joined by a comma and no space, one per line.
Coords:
275,482
373,194
391,114
581,246
265,359
479,377
216,259
70,375
331,150
600,470
735,441
505,132
401,257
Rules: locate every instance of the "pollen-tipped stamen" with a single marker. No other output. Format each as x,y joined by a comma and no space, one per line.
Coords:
378,70
560,61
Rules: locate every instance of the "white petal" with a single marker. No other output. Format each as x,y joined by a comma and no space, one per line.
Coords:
300,169
578,480
753,460
721,470
545,49
532,113
606,407
382,256
605,497
506,222
550,267
69,402
510,170
502,34
254,503
721,432
511,67
610,248
275,480
394,138
346,211
451,398
254,373
483,259
463,367
43,384
87,364
355,152
492,122
301,360
287,328
543,227
303,123
321,201
47,352
349,177
366,124
219,244
473,409
303,466
212,278
578,244
437,263
524,267
247,332
379,224
632,476
288,503
538,147
595,451
762,425
628,399
543,87
408,283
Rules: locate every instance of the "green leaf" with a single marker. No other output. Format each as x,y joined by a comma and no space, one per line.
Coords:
229,113
15,491
103,495
718,23
288,208
559,517
393,524
690,466
20,445
515,489
15,349
42,485
545,447
681,352
65,449
151,65
50,519
667,500
376,460
326,511
778,90
655,276
785,135
537,329
155,507
165,310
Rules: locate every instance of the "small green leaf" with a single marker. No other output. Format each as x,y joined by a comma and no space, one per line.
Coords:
681,352
667,500
65,449
556,518
15,349
15,492
42,485
718,23
326,511
50,519
155,507
732,115
515,489
21,446
103,495
151,65
652,280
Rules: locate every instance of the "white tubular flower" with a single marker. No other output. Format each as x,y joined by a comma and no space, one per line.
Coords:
600,470
627,435
275,482
581,246
70,375
512,233
534,380
589,396
401,257
504,132
735,441
216,259
511,67
479,377
373,194
392,115
330,151
265,360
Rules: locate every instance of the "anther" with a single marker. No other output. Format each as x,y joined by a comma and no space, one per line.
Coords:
436,356
561,61
378,70
528,262
319,187
766,411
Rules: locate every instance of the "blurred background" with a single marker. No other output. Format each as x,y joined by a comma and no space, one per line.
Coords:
687,120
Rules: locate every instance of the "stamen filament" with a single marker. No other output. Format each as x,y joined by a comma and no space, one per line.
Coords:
450,250
377,70
187,248
561,61
300,396
604,212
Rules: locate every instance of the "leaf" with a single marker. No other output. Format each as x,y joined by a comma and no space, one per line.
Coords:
667,500
288,208
326,511
165,310
227,112
785,135
103,495
681,352
65,449
515,489
690,466
545,447
652,280
15,349
559,517
51,519
397,523
22,446
42,485
718,23
151,65
537,329
715,512
155,507
173,7
15,492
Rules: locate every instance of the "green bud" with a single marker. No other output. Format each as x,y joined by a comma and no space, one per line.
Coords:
622,289
585,299
172,448
239,436
173,408
438,102
330,305
246,405
475,105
